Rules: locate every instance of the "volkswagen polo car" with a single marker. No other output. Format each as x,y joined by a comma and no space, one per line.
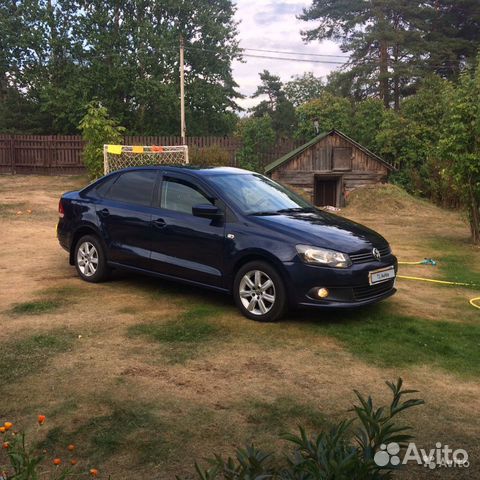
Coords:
226,229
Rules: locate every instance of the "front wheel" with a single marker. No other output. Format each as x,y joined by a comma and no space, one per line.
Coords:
90,260
259,292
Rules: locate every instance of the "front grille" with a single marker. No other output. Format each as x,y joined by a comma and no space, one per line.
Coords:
372,291
367,256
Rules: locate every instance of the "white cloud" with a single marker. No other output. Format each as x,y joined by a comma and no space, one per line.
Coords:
272,25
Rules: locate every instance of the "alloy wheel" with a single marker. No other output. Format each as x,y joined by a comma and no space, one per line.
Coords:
257,292
87,259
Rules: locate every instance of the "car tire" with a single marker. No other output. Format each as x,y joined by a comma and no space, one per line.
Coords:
259,292
90,259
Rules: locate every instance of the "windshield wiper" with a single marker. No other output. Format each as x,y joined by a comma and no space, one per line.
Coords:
266,213
296,209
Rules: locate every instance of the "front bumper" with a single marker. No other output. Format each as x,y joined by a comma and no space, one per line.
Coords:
348,288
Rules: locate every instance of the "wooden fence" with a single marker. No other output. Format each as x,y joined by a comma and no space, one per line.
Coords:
62,154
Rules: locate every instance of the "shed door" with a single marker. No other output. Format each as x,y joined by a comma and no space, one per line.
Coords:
326,192
342,158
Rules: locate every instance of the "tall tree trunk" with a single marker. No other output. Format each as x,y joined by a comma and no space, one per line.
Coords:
474,215
384,86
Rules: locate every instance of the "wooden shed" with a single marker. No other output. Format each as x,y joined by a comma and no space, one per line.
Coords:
328,167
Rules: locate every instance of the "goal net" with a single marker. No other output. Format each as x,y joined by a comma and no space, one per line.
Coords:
116,157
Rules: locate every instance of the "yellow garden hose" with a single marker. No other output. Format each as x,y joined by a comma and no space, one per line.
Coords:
472,301
444,282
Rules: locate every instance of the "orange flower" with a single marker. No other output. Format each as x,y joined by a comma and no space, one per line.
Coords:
2,429
41,419
6,445
71,448
57,461
93,472
73,461
8,425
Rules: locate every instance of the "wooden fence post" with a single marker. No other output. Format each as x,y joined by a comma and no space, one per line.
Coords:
12,154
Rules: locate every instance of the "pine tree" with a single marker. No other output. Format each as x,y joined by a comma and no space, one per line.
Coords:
384,44
277,106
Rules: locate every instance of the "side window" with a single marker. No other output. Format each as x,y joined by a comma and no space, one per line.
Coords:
134,187
102,189
181,196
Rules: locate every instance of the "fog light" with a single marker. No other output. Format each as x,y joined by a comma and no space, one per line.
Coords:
323,292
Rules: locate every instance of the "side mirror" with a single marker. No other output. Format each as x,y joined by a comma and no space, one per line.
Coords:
206,211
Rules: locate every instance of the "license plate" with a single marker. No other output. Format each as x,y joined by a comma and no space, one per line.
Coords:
379,276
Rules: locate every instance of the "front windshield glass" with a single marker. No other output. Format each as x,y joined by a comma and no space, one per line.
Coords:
255,194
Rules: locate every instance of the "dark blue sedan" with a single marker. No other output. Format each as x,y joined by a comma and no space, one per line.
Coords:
226,229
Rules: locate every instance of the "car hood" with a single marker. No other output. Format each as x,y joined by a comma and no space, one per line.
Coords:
323,229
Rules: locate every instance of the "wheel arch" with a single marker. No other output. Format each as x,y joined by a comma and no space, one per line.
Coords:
259,255
86,229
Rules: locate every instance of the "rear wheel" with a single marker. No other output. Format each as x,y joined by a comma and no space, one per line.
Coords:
259,292
90,260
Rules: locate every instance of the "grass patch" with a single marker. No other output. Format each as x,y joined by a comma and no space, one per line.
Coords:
127,428
391,340
114,432
61,291
7,209
177,294
283,414
36,307
455,262
184,334
30,354
129,310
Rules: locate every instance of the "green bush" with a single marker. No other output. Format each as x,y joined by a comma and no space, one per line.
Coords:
346,451
98,129
212,156
258,137
330,112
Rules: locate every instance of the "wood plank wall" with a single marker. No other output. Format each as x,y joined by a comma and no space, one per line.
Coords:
300,172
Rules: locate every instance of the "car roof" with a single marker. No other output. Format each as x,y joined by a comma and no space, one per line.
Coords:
191,169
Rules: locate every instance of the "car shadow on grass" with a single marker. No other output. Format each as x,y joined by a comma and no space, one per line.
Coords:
170,290
378,334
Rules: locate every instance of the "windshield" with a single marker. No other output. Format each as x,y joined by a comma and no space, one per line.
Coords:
255,194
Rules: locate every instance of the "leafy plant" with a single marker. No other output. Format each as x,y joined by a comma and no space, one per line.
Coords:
460,144
257,136
26,463
346,451
98,129
330,112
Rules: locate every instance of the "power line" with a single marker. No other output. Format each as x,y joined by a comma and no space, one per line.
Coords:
331,62
269,57
295,53
288,59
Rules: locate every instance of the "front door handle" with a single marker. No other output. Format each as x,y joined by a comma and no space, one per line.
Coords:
104,212
160,223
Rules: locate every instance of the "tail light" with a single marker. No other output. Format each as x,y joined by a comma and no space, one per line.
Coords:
61,212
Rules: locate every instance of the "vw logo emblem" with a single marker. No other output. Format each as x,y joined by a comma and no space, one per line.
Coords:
376,254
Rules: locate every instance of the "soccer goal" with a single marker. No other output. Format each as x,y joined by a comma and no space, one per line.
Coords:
116,157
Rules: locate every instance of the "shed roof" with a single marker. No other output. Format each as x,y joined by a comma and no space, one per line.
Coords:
280,161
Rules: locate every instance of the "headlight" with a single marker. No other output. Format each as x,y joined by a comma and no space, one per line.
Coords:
320,256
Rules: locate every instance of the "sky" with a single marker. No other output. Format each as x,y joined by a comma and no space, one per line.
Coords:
272,25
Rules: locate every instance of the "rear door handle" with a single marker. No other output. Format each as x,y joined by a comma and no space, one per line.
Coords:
160,223
104,212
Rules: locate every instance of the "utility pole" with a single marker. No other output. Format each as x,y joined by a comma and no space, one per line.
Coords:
183,131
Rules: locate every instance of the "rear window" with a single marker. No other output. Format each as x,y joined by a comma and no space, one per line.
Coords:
102,188
134,187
